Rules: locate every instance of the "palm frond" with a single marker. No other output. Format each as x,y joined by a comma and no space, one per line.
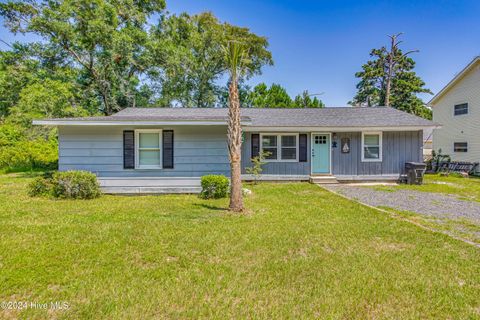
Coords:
236,58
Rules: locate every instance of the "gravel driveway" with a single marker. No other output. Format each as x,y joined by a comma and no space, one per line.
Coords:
425,203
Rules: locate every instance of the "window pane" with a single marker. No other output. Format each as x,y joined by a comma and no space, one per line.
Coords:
269,141
460,147
371,139
461,109
289,141
371,152
289,153
272,153
149,157
320,140
149,140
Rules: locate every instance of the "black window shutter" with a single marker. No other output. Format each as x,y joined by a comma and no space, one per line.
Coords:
129,149
167,149
255,145
302,148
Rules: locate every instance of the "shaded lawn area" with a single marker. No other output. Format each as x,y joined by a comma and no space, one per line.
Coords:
301,252
464,188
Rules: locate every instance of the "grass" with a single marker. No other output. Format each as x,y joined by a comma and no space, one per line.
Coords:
301,252
462,228
464,188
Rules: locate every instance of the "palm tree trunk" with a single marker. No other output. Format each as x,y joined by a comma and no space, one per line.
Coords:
234,147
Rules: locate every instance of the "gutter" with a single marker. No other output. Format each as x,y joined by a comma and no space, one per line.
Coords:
129,123
339,129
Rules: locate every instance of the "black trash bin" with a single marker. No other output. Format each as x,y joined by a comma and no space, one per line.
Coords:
415,172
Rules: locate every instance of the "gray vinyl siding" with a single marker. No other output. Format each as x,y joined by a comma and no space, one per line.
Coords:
280,168
197,151
203,150
398,148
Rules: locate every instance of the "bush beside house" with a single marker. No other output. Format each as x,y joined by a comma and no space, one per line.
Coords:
214,186
66,185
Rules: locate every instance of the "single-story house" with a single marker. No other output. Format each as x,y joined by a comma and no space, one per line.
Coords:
150,150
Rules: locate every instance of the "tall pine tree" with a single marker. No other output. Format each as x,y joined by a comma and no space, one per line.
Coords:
389,79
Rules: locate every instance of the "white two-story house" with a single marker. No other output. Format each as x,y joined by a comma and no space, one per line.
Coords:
457,108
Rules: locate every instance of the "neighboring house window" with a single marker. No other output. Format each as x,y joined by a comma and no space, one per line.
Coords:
282,147
460,109
460,147
148,149
371,146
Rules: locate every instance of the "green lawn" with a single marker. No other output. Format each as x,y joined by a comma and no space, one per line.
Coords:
465,188
300,252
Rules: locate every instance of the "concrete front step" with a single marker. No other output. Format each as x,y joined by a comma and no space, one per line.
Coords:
323,179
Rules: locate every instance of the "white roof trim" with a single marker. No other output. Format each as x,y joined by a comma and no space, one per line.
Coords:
454,81
337,129
246,125
128,123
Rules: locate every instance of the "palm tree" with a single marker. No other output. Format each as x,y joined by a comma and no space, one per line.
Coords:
236,62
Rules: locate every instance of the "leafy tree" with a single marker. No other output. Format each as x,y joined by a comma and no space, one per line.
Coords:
304,100
389,79
50,99
274,97
18,70
105,39
189,49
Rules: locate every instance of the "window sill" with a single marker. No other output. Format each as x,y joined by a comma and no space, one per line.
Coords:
371,160
274,161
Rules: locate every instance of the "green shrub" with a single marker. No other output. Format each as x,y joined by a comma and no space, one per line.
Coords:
75,185
10,134
40,186
257,165
214,186
29,155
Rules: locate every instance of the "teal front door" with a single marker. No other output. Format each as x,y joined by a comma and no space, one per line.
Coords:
320,153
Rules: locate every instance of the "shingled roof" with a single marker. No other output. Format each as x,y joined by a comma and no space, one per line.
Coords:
268,117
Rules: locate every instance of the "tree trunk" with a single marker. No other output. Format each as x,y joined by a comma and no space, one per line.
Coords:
391,56
389,81
234,147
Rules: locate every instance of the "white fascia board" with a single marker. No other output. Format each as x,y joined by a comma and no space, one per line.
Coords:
454,81
336,129
126,123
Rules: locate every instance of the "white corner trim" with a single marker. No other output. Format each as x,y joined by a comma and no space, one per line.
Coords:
380,149
137,149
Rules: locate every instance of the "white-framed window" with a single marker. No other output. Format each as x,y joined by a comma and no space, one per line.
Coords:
460,147
371,146
281,146
148,149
